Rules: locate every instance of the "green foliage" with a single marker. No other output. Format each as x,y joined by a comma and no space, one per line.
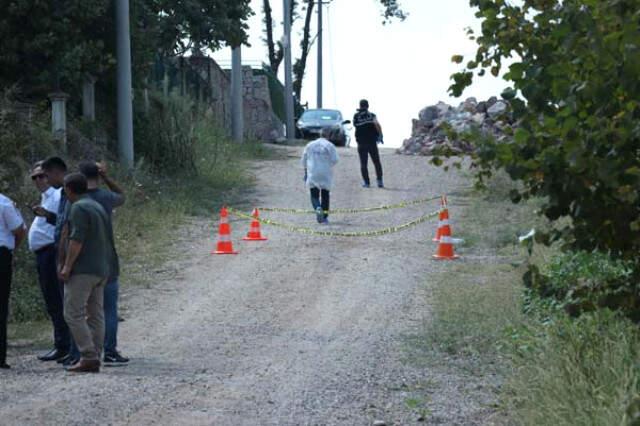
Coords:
582,281
179,136
166,135
46,45
577,105
574,371
199,23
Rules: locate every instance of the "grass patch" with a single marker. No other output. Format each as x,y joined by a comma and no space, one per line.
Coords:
568,371
473,307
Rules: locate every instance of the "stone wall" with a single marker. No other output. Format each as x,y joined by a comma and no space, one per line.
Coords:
201,77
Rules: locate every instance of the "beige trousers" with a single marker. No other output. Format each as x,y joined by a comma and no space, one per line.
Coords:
84,313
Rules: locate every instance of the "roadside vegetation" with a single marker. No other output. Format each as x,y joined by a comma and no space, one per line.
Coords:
559,316
543,364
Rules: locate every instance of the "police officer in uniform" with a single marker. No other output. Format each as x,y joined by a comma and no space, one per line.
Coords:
368,134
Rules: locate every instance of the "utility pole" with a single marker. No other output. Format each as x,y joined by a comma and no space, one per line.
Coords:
288,77
319,91
237,113
125,95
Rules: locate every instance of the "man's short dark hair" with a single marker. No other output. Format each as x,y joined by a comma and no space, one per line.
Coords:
54,163
76,182
89,169
364,104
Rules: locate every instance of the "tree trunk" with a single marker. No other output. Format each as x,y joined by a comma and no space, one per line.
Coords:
275,52
301,64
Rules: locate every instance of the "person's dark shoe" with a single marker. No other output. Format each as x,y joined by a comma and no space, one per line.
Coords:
85,366
366,185
319,214
53,355
69,361
4,366
114,359
380,183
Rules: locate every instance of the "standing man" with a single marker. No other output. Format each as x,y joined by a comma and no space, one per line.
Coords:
12,233
368,134
318,160
90,259
109,200
41,242
56,169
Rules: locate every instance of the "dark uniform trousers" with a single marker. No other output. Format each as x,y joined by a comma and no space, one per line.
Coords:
364,151
52,292
5,289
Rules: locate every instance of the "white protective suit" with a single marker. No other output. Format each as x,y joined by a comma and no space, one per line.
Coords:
318,158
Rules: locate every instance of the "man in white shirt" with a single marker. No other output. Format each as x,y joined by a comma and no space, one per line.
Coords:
41,242
12,233
318,160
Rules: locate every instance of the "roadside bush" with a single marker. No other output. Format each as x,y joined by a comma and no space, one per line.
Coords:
571,73
582,282
166,135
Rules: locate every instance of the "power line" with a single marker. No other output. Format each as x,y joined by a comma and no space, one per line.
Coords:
331,56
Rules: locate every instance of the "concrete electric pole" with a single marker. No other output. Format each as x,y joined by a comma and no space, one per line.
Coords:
125,91
319,91
237,113
288,77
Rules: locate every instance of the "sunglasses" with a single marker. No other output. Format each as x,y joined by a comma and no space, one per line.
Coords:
42,176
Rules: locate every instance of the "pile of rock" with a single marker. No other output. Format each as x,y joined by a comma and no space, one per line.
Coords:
429,132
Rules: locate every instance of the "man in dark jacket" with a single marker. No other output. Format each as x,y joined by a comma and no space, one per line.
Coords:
368,134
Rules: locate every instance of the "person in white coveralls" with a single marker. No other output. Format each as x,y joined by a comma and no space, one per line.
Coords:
318,160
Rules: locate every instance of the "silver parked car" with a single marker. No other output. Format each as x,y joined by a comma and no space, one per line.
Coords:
312,121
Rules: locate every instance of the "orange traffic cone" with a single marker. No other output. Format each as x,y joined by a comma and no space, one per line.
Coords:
443,219
224,246
445,246
254,231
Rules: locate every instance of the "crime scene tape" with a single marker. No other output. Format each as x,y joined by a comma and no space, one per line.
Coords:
310,231
348,211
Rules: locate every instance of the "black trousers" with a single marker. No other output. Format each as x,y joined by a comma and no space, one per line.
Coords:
52,291
364,151
320,198
5,289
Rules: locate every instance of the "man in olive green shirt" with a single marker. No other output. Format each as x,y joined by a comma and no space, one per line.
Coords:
90,260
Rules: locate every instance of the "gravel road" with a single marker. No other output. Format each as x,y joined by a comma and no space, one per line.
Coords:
295,330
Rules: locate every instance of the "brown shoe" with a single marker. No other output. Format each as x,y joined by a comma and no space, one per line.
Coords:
85,366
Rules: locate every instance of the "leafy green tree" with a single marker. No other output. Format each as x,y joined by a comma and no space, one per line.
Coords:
575,96
187,24
46,44
52,44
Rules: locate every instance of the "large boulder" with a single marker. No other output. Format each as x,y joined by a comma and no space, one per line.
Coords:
498,109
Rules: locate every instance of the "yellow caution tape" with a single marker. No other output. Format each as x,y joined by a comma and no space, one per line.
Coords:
310,231
344,211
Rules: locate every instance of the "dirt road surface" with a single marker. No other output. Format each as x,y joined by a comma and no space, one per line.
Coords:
299,329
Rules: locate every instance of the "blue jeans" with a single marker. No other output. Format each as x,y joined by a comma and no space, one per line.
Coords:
110,320
111,316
